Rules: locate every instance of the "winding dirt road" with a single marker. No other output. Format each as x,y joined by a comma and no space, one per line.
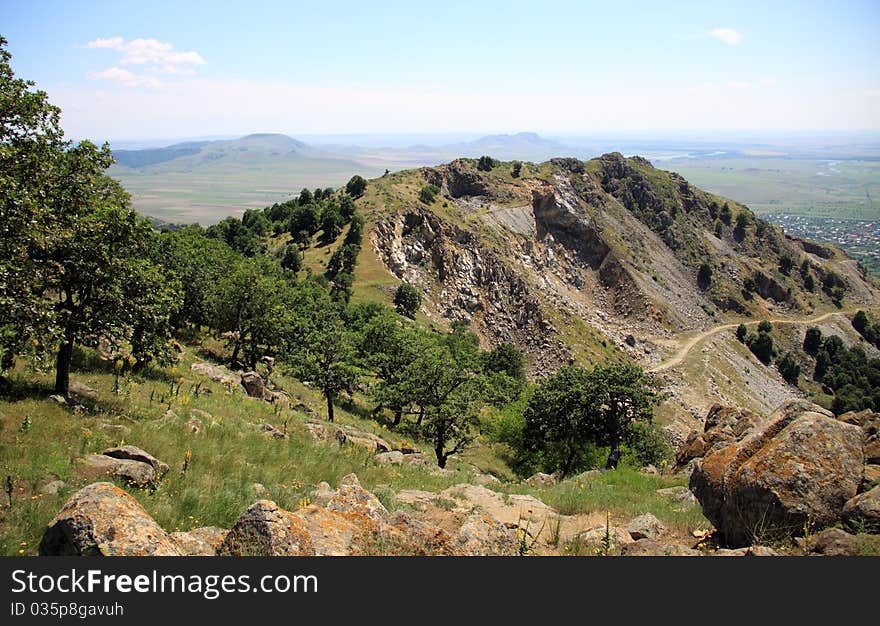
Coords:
685,349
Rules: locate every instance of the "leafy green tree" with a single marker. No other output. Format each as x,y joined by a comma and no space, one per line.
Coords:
789,368
355,234
486,163
292,258
389,349
319,349
719,229
198,263
251,306
576,408
809,282
765,326
407,300
32,146
516,169
504,366
762,347
704,276
786,263
347,207
342,288
304,222
237,236
331,224
741,333
305,197
726,214
860,322
104,284
256,222
812,340
356,186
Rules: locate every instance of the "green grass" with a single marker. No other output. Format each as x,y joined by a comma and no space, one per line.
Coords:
227,457
625,492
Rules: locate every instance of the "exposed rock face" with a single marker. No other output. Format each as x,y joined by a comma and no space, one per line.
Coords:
613,242
101,519
800,465
468,281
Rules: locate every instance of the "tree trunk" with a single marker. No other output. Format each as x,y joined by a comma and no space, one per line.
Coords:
62,366
329,407
398,415
614,455
441,457
421,415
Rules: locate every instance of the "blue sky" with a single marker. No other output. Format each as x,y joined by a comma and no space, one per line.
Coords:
182,69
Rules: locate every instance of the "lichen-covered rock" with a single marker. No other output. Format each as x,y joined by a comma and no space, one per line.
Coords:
101,519
540,480
801,465
482,535
267,530
722,425
350,497
862,513
652,547
203,541
595,537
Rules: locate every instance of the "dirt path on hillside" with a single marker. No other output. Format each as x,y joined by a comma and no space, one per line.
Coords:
691,343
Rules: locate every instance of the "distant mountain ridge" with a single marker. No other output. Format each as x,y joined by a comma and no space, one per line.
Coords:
257,145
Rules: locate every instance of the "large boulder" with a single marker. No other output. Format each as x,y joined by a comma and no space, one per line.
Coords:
722,425
133,453
216,373
645,526
482,535
652,547
267,530
862,513
101,519
801,465
99,466
255,386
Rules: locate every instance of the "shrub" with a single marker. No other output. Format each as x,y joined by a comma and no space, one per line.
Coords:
407,300
429,193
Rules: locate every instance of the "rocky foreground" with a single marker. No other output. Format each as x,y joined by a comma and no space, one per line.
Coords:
800,473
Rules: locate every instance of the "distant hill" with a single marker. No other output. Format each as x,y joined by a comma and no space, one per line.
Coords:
522,146
251,148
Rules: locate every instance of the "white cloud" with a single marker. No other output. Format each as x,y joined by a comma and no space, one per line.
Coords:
727,35
158,56
124,77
